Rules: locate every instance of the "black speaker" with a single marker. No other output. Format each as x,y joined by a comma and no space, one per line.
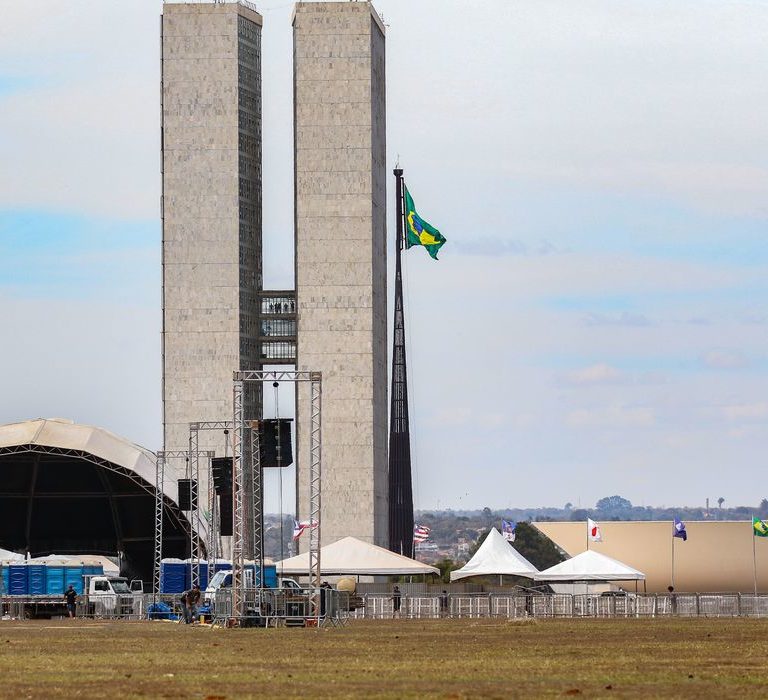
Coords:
187,488
222,474
225,514
275,443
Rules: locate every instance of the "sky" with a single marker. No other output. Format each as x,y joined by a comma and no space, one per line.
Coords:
596,323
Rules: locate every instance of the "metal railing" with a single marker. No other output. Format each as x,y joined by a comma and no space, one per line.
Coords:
496,605
111,606
277,607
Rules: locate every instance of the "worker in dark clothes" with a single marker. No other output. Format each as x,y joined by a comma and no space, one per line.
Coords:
396,598
191,599
71,597
444,604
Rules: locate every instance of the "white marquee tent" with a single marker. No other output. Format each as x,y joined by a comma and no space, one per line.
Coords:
496,556
590,566
357,558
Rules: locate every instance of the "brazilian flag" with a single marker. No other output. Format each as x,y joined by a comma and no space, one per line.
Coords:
418,231
759,527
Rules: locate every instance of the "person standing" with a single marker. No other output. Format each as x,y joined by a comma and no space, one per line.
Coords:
396,598
190,599
71,597
444,604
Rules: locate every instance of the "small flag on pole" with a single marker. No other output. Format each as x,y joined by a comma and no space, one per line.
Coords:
679,530
300,526
759,527
420,533
593,530
508,528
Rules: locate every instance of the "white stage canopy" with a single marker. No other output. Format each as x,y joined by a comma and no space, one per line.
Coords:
357,558
590,566
496,557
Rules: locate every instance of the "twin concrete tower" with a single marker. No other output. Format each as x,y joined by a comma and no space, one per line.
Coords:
217,317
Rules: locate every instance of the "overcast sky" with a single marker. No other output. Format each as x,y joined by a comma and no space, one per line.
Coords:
597,321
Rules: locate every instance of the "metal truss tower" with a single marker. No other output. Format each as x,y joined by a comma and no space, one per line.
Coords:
400,489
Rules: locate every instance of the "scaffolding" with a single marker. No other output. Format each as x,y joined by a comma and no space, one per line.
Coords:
213,523
194,514
240,425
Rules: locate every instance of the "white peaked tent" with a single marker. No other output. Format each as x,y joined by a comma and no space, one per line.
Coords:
590,566
496,556
357,558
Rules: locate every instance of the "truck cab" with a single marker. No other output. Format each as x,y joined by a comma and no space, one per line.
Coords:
112,595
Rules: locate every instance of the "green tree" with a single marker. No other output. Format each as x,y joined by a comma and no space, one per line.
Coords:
446,565
611,504
535,547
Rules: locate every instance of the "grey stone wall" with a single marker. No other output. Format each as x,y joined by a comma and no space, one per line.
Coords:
340,210
211,162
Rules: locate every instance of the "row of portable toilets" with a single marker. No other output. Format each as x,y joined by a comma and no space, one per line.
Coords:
176,574
44,579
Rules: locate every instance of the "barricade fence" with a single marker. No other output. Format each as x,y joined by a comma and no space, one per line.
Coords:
271,607
517,606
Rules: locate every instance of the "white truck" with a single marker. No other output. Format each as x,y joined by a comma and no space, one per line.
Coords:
103,596
223,579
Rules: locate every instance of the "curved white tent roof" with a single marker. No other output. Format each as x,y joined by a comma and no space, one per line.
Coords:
64,434
355,557
590,566
60,439
494,557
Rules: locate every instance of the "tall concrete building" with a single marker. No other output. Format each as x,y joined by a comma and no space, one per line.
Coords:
341,259
211,163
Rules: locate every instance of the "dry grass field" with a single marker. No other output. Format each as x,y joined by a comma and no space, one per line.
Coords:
397,659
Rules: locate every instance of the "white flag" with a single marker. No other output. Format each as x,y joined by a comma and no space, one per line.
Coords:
593,530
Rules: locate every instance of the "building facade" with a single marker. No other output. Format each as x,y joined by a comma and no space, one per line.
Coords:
341,260
211,164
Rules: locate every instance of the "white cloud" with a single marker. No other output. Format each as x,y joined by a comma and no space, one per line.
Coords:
596,374
746,411
612,417
724,359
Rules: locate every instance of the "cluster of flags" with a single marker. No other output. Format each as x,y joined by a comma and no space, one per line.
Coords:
759,529
299,526
420,533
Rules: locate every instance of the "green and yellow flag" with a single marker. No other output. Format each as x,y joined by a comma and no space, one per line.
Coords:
759,527
418,231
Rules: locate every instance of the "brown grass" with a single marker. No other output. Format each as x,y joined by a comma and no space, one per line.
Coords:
398,659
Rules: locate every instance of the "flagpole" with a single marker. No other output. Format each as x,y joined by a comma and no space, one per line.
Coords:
673,556
754,555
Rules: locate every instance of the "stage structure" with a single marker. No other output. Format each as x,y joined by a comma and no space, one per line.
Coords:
400,488
213,524
194,511
240,426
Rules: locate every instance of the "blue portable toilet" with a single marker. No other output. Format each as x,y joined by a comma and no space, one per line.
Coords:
17,579
172,576
270,576
93,569
222,565
188,574
54,579
4,578
73,576
36,579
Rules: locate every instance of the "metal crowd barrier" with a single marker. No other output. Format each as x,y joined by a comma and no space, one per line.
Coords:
111,606
517,606
275,607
